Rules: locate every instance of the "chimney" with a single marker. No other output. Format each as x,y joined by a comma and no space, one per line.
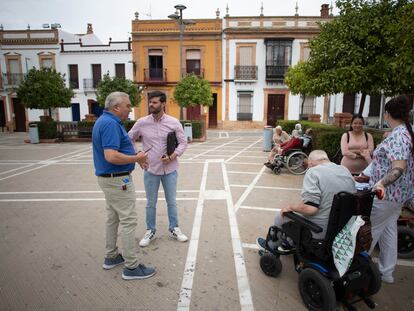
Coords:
325,10
90,29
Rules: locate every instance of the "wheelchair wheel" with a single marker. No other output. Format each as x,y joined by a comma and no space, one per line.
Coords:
296,163
277,170
270,264
317,291
405,242
375,282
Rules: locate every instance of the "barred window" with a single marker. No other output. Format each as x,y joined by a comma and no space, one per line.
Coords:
244,106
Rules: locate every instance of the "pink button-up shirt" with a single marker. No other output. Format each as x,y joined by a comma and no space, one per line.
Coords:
153,135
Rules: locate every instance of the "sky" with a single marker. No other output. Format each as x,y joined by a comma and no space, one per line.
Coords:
112,18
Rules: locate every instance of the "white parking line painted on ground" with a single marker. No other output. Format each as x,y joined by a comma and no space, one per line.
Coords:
244,173
249,189
224,135
278,188
244,149
81,191
251,246
244,163
83,199
184,299
216,148
39,163
258,208
245,295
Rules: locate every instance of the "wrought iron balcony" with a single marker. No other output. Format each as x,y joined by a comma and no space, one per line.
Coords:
155,75
11,80
199,72
245,73
90,84
276,73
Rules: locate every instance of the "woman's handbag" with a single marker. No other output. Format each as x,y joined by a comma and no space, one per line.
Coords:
172,143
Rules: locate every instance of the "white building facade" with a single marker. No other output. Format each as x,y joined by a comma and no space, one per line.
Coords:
21,50
257,52
82,58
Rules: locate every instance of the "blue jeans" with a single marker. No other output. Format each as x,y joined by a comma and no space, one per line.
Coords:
152,185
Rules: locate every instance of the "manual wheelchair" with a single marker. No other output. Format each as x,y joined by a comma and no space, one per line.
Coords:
295,160
320,284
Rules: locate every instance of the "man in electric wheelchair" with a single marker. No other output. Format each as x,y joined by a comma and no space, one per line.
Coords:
292,154
308,229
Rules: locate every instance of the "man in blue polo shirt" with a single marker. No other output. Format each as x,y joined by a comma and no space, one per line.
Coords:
114,158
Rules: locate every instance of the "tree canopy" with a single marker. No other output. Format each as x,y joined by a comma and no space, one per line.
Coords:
115,84
193,91
367,49
44,89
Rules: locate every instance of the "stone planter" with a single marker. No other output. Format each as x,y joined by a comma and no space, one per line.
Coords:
342,119
315,118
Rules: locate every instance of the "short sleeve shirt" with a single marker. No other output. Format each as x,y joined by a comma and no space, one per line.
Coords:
109,133
397,146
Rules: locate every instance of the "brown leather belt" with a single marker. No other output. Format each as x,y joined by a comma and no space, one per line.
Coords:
115,174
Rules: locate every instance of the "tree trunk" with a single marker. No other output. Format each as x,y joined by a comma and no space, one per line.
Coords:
362,103
50,112
303,105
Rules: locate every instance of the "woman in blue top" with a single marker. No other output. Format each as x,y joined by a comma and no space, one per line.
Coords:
393,174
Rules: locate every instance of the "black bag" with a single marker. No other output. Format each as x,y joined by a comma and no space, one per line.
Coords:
172,143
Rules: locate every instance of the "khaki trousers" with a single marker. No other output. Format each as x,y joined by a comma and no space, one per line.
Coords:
120,211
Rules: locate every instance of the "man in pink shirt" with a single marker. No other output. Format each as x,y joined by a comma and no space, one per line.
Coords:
153,130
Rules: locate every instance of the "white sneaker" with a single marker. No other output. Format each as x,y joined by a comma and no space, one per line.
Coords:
148,237
178,235
387,279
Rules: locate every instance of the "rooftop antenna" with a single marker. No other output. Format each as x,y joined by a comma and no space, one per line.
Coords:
261,10
227,9
296,9
150,12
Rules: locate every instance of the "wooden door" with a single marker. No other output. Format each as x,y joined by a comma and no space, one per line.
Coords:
349,103
212,113
96,74
19,115
2,115
275,108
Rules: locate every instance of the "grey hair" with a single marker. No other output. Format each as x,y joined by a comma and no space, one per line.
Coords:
115,98
298,126
318,155
278,127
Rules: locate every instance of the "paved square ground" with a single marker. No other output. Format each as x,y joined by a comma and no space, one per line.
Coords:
52,233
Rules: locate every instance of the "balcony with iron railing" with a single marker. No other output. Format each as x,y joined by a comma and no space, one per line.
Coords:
276,73
199,72
245,73
91,84
11,80
155,75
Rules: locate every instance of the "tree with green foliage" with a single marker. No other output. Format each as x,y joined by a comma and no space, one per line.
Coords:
299,82
192,91
115,84
44,89
367,49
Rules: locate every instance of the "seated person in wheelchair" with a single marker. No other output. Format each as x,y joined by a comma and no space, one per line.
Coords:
303,142
321,182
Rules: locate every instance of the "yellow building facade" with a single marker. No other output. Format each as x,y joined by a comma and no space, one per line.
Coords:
156,52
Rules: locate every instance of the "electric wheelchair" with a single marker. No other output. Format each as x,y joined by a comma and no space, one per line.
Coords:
320,284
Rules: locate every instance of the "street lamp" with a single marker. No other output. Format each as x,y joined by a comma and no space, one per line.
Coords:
178,17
